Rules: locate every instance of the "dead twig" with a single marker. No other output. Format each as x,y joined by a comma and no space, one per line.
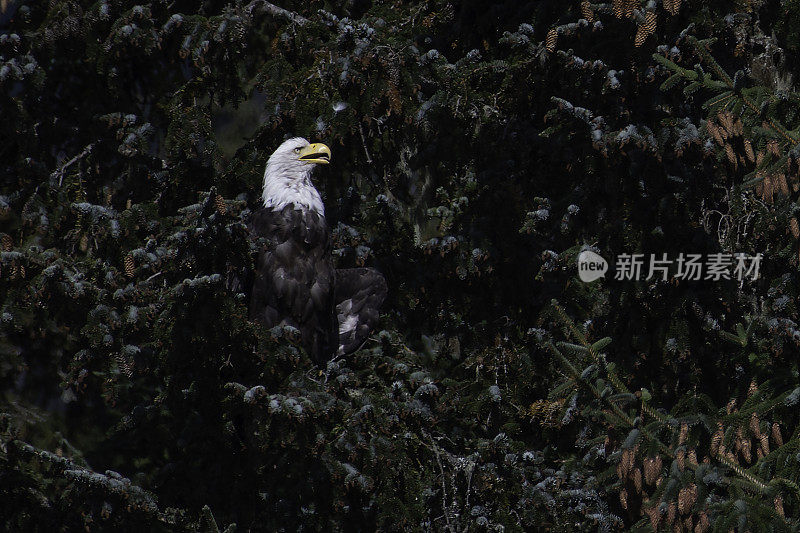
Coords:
60,170
364,142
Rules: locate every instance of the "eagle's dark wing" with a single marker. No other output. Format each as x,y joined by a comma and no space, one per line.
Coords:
359,295
294,277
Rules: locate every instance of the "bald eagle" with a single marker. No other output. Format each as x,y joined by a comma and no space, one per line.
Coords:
294,282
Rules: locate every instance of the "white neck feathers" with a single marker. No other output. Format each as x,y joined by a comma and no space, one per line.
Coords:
287,182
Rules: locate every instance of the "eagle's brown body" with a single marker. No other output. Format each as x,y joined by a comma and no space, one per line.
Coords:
294,282
294,277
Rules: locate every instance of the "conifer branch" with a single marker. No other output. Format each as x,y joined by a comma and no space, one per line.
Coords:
277,11
749,481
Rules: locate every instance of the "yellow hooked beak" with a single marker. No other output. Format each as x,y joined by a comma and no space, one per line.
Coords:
315,153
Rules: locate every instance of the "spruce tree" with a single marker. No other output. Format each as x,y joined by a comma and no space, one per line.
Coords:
478,148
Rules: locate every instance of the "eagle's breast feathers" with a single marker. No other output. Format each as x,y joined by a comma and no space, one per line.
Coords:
294,275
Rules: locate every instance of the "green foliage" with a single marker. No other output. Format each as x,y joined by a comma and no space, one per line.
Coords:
714,478
476,153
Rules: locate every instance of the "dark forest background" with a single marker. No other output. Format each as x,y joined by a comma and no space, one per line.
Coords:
478,147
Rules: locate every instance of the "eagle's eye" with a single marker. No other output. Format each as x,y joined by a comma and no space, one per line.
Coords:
297,150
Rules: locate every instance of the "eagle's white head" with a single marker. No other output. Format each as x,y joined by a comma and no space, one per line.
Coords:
287,178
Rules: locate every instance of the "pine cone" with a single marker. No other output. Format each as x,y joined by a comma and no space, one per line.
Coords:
765,188
654,515
683,434
743,445
6,241
129,266
726,119
716,440
715,132
586,11
731,155
776,434
702,523
650,20
219,202
731,457
551,40
779,505
672,6
783,186
764,441
124,364
686,498
746,451
641,36
625,465
731,407
774,148
692,457
748,150
650,471
754,425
